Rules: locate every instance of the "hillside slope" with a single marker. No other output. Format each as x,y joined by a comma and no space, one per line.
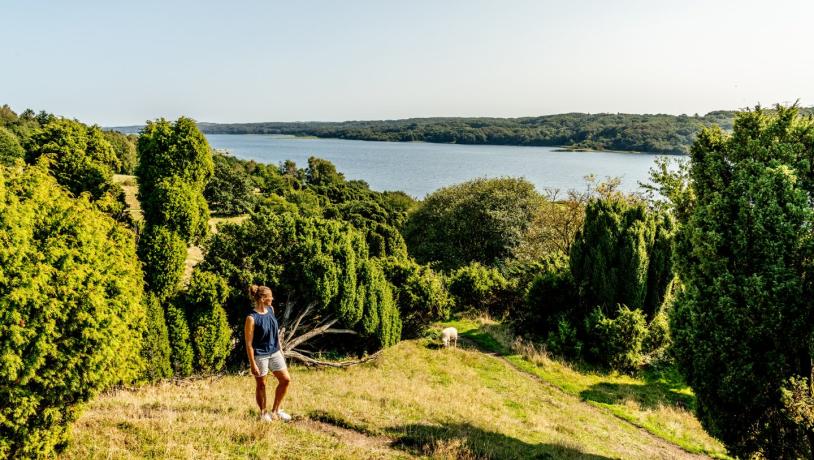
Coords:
414,401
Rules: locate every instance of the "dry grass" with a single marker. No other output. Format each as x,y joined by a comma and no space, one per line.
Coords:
128,184
415,401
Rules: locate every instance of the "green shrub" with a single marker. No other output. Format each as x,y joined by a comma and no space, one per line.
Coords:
125,147
421,295
563,339
163,253
478,287
156,342
211,336
71,311
178,150
380,319
657,341
482,220
181,353
78,156
10,148
617,342
743,324
180,208
551,297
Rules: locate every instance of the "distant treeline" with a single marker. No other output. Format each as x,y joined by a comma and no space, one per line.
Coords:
666,134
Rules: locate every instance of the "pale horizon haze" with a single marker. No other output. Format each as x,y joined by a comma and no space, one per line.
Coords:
121,63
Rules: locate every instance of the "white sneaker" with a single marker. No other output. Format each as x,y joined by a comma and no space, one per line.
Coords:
283,416
266,417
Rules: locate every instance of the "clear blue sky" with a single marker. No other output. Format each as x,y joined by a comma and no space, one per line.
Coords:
113,63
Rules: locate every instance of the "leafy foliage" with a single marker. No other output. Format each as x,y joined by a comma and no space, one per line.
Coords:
78,156
231,190
175,162
176,150
477,286
482,221
551,298
421,294
617,342
71,311
177,206
10,148
181,352
125,147
742,324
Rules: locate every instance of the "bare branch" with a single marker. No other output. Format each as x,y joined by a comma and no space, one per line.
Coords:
341,331
318,363
309,335
305,312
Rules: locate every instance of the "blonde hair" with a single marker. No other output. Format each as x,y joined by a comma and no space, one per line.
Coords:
257,293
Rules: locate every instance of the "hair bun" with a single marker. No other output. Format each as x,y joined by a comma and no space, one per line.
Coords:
253,289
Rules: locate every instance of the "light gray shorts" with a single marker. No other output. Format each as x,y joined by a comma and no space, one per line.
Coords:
274,362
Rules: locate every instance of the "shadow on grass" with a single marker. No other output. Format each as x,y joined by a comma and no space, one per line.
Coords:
483,340
650,395
464,441
661,387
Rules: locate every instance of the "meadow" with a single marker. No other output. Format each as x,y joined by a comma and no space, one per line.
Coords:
416,400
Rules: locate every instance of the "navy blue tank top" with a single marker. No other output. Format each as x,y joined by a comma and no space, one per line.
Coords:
265,340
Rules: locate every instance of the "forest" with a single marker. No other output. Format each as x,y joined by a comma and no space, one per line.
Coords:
706,276
660,133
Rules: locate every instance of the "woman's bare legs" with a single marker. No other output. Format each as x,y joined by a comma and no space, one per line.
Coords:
283,380
260,393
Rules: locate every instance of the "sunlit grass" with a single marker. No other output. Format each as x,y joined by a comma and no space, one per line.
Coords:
658,402
416,400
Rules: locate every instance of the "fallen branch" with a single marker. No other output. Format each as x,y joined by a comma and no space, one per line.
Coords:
315,325
337,364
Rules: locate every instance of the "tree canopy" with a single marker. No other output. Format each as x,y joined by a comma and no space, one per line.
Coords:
482,220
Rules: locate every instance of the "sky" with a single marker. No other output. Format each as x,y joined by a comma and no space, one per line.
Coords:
124,62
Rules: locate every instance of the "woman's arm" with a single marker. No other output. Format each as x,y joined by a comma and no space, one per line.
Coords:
248,333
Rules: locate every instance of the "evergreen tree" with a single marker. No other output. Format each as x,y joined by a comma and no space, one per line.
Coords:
71,311
211,336
742,324
306,260
156,342
621,255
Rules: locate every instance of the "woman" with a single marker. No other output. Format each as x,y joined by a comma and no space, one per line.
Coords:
263,347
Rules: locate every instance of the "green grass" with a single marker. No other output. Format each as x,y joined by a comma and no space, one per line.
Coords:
658,402
416,401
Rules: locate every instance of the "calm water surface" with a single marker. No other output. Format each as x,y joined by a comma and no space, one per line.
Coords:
420,168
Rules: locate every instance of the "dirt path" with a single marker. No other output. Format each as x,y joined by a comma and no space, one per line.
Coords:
350,437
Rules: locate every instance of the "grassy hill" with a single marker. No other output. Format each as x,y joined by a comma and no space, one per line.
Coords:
415,401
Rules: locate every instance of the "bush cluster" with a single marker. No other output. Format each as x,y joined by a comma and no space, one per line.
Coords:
72,315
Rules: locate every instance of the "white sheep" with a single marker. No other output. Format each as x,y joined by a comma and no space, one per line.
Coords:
448,335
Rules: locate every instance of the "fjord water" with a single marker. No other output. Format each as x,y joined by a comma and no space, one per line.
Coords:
419,168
